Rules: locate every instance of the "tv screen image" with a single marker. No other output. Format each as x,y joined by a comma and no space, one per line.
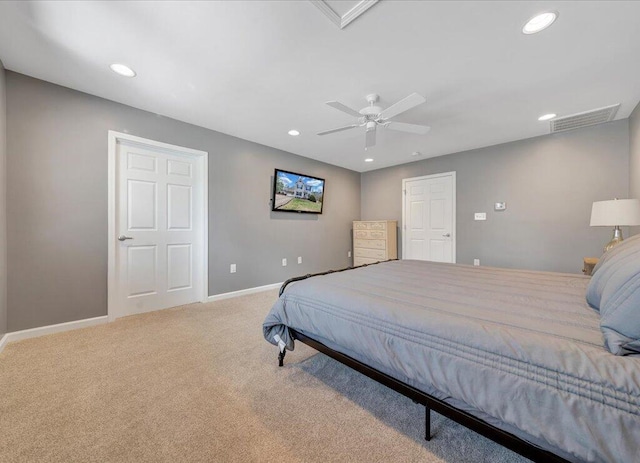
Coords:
297,193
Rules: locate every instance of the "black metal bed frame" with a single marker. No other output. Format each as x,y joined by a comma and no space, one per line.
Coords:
466,419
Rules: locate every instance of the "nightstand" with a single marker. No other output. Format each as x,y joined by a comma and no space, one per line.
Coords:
588,264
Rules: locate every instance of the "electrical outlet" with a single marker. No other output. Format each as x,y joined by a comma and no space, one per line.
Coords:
480,216
348,253
476,262
232,268
299,259
284,262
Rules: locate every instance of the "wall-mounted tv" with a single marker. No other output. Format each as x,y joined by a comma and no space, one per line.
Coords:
297,193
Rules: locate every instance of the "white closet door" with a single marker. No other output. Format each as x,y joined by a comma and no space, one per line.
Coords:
159,228
429,216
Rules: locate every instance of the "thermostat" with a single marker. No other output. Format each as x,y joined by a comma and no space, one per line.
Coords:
500,206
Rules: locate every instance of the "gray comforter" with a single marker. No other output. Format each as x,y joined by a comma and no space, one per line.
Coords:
521,349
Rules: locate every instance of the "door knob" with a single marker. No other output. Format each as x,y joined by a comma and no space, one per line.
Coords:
122,237
446,235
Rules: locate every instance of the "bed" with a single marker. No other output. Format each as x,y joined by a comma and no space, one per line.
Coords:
515,355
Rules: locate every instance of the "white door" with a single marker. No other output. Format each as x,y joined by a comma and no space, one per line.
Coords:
159,231
429,218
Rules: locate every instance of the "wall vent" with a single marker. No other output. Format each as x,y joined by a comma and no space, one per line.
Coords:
584,119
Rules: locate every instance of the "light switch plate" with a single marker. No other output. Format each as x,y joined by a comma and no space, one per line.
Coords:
500,206
480,216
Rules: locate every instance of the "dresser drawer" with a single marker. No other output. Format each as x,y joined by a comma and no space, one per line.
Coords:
370,253
370,234
370,225
363,260
369,244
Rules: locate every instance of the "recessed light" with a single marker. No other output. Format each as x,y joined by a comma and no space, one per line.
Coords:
539,22
368,160
293,133
416,153
123,70
546,117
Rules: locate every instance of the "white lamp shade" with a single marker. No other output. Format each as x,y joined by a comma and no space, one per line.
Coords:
624,212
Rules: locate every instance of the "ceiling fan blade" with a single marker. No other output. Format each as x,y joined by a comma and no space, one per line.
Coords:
339,129
410,128
403,105
345,109
370,139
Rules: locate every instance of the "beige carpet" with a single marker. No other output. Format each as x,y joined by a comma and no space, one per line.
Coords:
199,383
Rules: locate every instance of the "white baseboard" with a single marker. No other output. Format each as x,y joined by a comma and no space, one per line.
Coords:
243,292
61,327
51,329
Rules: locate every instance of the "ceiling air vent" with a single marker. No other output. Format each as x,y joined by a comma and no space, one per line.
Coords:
587,118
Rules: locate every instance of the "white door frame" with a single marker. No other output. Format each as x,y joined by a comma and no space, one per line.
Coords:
113,311
404,224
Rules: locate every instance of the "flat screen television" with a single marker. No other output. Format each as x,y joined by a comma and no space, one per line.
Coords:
297,193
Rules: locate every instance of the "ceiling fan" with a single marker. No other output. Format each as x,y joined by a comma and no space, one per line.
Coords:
372,116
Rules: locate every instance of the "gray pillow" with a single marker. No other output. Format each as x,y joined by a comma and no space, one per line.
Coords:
620,309
611,253
607,265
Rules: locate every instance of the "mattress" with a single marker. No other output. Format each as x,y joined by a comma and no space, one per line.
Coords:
519,348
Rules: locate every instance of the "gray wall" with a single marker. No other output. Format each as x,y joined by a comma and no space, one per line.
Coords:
3,204
57,204
634,157
548,182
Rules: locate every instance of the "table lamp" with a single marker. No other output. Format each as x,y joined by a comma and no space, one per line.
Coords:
615,213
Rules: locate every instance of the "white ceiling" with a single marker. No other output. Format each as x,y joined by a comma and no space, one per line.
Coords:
257,69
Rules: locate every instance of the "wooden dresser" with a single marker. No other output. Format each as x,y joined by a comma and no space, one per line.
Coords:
374,240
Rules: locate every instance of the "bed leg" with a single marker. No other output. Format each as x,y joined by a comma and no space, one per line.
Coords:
283,349
427,423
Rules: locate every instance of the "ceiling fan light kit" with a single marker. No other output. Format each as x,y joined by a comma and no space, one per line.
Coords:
372,116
